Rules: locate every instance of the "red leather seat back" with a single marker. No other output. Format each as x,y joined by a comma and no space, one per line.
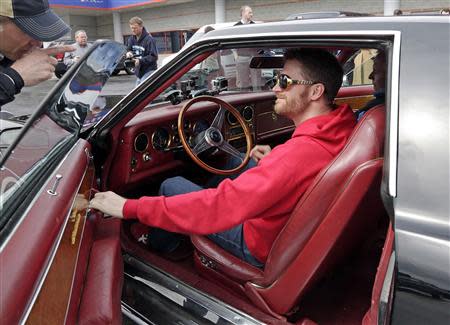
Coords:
365,144
338,208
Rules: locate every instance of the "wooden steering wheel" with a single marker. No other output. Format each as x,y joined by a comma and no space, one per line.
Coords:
213,136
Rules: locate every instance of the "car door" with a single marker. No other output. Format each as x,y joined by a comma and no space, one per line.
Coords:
50,242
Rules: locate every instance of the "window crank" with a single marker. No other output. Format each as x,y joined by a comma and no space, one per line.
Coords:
55,186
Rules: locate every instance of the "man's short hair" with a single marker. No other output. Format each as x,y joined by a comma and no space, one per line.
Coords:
243,9
319,66
78,32
136,20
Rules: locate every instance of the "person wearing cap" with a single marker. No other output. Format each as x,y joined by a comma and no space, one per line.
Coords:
24,25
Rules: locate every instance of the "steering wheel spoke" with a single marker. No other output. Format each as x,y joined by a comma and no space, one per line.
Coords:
229,149
203,145
219,118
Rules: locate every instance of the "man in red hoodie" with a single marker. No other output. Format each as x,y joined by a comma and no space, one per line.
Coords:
246,214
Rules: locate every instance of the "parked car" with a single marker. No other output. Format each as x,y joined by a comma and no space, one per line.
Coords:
367,244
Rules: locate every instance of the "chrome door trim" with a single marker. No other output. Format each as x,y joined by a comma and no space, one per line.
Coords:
171,287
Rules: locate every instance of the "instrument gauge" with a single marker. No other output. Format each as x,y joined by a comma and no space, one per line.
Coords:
141,142
231,119
247,113
160,139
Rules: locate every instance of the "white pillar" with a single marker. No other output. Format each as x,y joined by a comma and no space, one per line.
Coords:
117,25
219,11
390,6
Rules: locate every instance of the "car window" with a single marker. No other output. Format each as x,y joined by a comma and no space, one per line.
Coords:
358,68
228,70
223,71
51,132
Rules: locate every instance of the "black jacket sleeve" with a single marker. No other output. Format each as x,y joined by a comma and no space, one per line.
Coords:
129,43
11,83
151,52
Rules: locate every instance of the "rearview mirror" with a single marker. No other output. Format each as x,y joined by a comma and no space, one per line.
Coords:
267,62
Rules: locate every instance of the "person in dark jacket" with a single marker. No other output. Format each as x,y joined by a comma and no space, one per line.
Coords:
246,16
378,77
142,49
23,27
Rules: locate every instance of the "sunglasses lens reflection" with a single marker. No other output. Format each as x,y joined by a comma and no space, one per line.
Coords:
280,80
283,81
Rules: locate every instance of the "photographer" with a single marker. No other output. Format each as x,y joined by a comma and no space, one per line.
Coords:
142,49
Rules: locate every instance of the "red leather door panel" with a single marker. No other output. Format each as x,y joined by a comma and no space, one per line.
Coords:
38,261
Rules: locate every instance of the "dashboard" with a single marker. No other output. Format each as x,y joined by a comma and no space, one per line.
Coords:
149,142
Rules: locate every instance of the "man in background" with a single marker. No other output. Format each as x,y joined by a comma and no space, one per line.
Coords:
142,49
246,16
24,25
246,78
81,46
378,77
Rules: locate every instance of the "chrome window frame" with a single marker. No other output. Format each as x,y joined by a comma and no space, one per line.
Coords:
393,84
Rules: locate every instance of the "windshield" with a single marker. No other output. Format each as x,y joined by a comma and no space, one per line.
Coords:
223,71
72,106
240,70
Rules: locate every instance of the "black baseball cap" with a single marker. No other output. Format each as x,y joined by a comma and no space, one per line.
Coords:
35,18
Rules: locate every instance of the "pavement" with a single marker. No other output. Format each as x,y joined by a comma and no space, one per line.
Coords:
30,97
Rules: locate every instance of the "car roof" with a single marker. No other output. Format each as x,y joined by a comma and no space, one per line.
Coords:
324,14
331,25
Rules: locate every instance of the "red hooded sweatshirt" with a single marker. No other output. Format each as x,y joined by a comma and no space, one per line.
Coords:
263,197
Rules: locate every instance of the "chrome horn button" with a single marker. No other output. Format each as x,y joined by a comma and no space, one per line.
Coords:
213,136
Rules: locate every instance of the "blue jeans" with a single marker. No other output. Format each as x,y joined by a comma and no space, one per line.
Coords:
232,240
141,79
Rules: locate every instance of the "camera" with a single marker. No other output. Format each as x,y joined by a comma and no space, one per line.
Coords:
219,84
187,85
138,52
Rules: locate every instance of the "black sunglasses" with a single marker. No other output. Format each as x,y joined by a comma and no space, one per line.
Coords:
284,81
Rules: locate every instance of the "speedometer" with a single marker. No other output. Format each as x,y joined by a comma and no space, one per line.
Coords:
160,139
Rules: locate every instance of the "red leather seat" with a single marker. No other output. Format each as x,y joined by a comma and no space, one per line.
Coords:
333,215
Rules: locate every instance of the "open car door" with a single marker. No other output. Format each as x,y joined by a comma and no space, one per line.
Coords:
60,264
